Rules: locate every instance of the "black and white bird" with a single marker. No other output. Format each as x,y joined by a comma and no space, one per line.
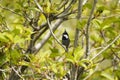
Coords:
65,40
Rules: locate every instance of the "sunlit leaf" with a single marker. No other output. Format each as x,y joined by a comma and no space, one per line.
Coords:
14,56
107,76
80,24
70,58
3,38
97,23
78,54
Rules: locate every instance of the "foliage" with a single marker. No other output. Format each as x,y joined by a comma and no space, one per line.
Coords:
25,40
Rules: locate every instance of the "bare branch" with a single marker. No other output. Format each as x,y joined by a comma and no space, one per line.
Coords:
87,29
115,55
66,9
17,73
75,69
62,4
78,18
87,77
39,45
38,5
49,25
105,48
39,34
10,10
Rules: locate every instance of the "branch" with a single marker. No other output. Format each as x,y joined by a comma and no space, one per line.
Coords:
62,4
106,47
63,14
115,54
87,28
40,34
78,18
75,69
38,5
49,25
39,45
10,10
87,77
17,73
66,9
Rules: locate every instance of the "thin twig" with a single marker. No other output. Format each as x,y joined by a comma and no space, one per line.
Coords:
66,14
88,27
75,69
87,77
38,5
115,54
78,18
4,70
110,47
105,48
17,73
39,45
62,4
10,10
41,32
66,9
49,25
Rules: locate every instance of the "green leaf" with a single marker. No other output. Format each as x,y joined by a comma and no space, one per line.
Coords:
82,64
2,58
81,24
18,39
54,50
17,10
86,61
88,5
107,76
97,23
107,22
16,31
24,63
3,38
54,53
117,72
70,58
14,56
79,52
9,36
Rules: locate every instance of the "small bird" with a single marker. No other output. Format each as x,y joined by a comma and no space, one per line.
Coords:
65,40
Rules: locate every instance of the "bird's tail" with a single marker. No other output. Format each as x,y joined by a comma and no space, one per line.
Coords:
66,49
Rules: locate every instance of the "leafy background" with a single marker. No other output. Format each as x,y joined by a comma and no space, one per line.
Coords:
18,19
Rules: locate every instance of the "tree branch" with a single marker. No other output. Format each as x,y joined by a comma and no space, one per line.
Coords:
38,5
87,29
78,18
106,47
66,9
49,25
17,73
75,69
62,4
10,10
39,45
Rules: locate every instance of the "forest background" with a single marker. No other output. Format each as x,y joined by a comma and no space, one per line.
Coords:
31,33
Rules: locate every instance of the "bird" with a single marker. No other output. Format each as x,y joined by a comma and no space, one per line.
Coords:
65,40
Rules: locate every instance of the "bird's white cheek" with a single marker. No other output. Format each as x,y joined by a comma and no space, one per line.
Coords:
66,36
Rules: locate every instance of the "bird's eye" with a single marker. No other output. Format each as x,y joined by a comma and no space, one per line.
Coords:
66,36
